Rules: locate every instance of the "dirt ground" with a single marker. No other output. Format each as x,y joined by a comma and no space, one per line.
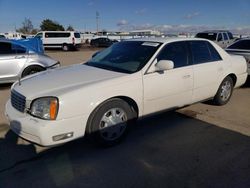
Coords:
234,116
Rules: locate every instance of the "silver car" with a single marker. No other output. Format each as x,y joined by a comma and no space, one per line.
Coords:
19,58
241,47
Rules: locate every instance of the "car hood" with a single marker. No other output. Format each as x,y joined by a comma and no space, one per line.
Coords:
61,80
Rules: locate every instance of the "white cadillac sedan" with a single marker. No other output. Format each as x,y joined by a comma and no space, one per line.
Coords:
128,80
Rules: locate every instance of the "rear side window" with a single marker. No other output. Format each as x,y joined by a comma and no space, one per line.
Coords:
77,35
176,52
215,56
57,35
203,52
241,44
209,36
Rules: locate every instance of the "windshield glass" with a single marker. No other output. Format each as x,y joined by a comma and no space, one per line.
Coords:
126,57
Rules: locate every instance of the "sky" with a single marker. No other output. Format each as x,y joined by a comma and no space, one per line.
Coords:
163,15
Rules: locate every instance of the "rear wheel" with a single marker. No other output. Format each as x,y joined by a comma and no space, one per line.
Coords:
224,92
32,70
65,47
109,123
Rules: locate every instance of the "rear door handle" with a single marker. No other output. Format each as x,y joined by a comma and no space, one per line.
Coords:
186,76
20,57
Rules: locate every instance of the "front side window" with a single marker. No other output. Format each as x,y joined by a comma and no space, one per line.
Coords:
126,57
9,48
176,52
200,52
219,37
39,35
77,35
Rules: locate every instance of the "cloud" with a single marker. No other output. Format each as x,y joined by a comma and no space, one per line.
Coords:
191,15
182,28
141,11
122,23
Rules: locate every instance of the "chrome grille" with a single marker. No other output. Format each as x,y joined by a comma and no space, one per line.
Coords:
18,101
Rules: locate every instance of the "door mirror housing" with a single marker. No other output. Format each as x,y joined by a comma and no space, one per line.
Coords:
163,65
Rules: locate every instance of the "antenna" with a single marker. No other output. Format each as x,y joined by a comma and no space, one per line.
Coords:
97,21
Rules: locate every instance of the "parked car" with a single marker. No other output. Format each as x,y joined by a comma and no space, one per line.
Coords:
65,40
19,58
222,37
241,47
130,79
102,42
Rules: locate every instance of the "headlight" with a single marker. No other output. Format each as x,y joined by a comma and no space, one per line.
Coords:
45,108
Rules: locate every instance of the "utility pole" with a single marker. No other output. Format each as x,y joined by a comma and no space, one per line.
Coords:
97,21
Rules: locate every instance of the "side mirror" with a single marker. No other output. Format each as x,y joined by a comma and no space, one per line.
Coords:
163,65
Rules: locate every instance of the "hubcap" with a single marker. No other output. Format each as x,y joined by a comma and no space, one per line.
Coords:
113,124
225,90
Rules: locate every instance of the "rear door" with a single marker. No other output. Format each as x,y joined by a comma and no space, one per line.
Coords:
207,68
12,60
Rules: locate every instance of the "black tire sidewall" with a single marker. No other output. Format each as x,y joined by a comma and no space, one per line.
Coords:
65,47
217,98
27,71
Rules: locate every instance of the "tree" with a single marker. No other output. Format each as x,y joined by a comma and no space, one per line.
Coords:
49,25
27,27
70,28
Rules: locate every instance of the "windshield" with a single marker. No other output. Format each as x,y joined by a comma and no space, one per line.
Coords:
126,57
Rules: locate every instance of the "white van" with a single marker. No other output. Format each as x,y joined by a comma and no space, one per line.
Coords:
60,39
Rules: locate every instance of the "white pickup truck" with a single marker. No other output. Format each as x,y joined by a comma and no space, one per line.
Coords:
222,37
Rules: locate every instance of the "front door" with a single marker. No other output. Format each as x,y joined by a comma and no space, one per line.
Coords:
171,88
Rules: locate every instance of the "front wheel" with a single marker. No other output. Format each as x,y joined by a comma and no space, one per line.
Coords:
109,123
32,70
224,92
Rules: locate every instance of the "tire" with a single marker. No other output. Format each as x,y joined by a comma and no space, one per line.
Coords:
65,47
32,70
109,123
224,92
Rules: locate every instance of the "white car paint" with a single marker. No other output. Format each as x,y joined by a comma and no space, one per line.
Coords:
81,88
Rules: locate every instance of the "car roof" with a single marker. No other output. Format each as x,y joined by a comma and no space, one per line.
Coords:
167,40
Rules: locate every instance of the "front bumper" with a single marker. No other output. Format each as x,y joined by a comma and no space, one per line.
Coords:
42,131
